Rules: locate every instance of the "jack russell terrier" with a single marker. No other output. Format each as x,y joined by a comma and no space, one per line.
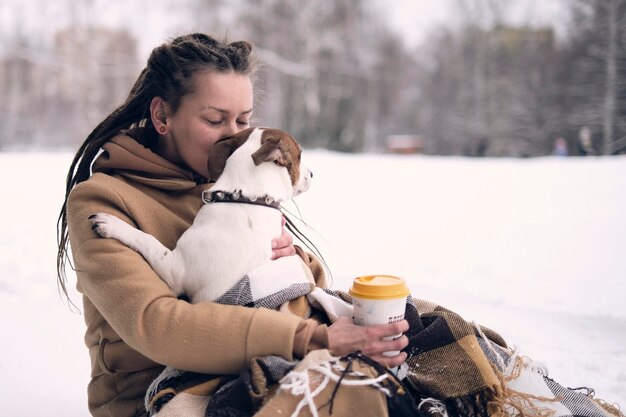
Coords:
256,169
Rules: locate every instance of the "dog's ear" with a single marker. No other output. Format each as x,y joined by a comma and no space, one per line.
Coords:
221,150
270,150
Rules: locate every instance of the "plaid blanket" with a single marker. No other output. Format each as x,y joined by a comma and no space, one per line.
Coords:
454,367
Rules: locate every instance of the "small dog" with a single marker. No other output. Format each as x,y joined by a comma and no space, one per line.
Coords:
255,170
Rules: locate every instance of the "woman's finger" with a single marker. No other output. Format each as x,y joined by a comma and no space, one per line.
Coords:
385,330
279,253
377,347
283,245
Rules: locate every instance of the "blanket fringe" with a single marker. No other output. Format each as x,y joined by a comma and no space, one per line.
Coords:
514,403
500,400
613,409
486,403
523,404
510,402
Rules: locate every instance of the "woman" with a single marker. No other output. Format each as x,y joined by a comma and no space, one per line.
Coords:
151,173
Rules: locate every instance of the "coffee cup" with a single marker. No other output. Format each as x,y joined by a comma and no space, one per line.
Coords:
379,299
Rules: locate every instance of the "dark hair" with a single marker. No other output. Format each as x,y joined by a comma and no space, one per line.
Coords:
169,74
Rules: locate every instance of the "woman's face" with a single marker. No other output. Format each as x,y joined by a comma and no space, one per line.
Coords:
221,105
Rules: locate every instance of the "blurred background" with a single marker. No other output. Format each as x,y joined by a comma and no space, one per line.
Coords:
518,78
533,248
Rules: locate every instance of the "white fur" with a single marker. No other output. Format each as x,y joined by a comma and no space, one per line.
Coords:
226,240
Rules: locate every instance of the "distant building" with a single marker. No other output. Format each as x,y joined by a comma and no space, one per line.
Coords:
404,144
514,38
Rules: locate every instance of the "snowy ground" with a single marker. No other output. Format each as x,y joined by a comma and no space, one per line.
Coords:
532,248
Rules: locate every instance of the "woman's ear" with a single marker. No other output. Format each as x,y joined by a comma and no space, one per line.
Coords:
158,115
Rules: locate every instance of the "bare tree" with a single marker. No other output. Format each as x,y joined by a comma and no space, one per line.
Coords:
595,86
324,74
611,75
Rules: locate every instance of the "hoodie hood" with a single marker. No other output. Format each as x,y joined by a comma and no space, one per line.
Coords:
126,157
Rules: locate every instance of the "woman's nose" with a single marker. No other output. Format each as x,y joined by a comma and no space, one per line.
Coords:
231,128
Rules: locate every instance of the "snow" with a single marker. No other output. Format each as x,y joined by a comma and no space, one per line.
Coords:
532,248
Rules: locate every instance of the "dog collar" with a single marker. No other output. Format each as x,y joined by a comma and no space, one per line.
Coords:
209,196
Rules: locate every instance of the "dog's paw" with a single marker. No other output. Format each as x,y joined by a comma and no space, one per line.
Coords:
105,225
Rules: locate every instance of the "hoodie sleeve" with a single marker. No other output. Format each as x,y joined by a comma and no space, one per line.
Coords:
204,337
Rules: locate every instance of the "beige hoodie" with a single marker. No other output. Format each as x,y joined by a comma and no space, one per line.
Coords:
135,323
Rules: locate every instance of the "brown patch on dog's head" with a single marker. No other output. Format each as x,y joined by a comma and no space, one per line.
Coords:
281,148
222,149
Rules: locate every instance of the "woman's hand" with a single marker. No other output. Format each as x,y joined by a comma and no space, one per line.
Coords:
345,337
283,245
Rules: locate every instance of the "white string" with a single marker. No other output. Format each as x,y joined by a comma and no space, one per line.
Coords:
532,365
436,406
499,359
535,366
298,383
